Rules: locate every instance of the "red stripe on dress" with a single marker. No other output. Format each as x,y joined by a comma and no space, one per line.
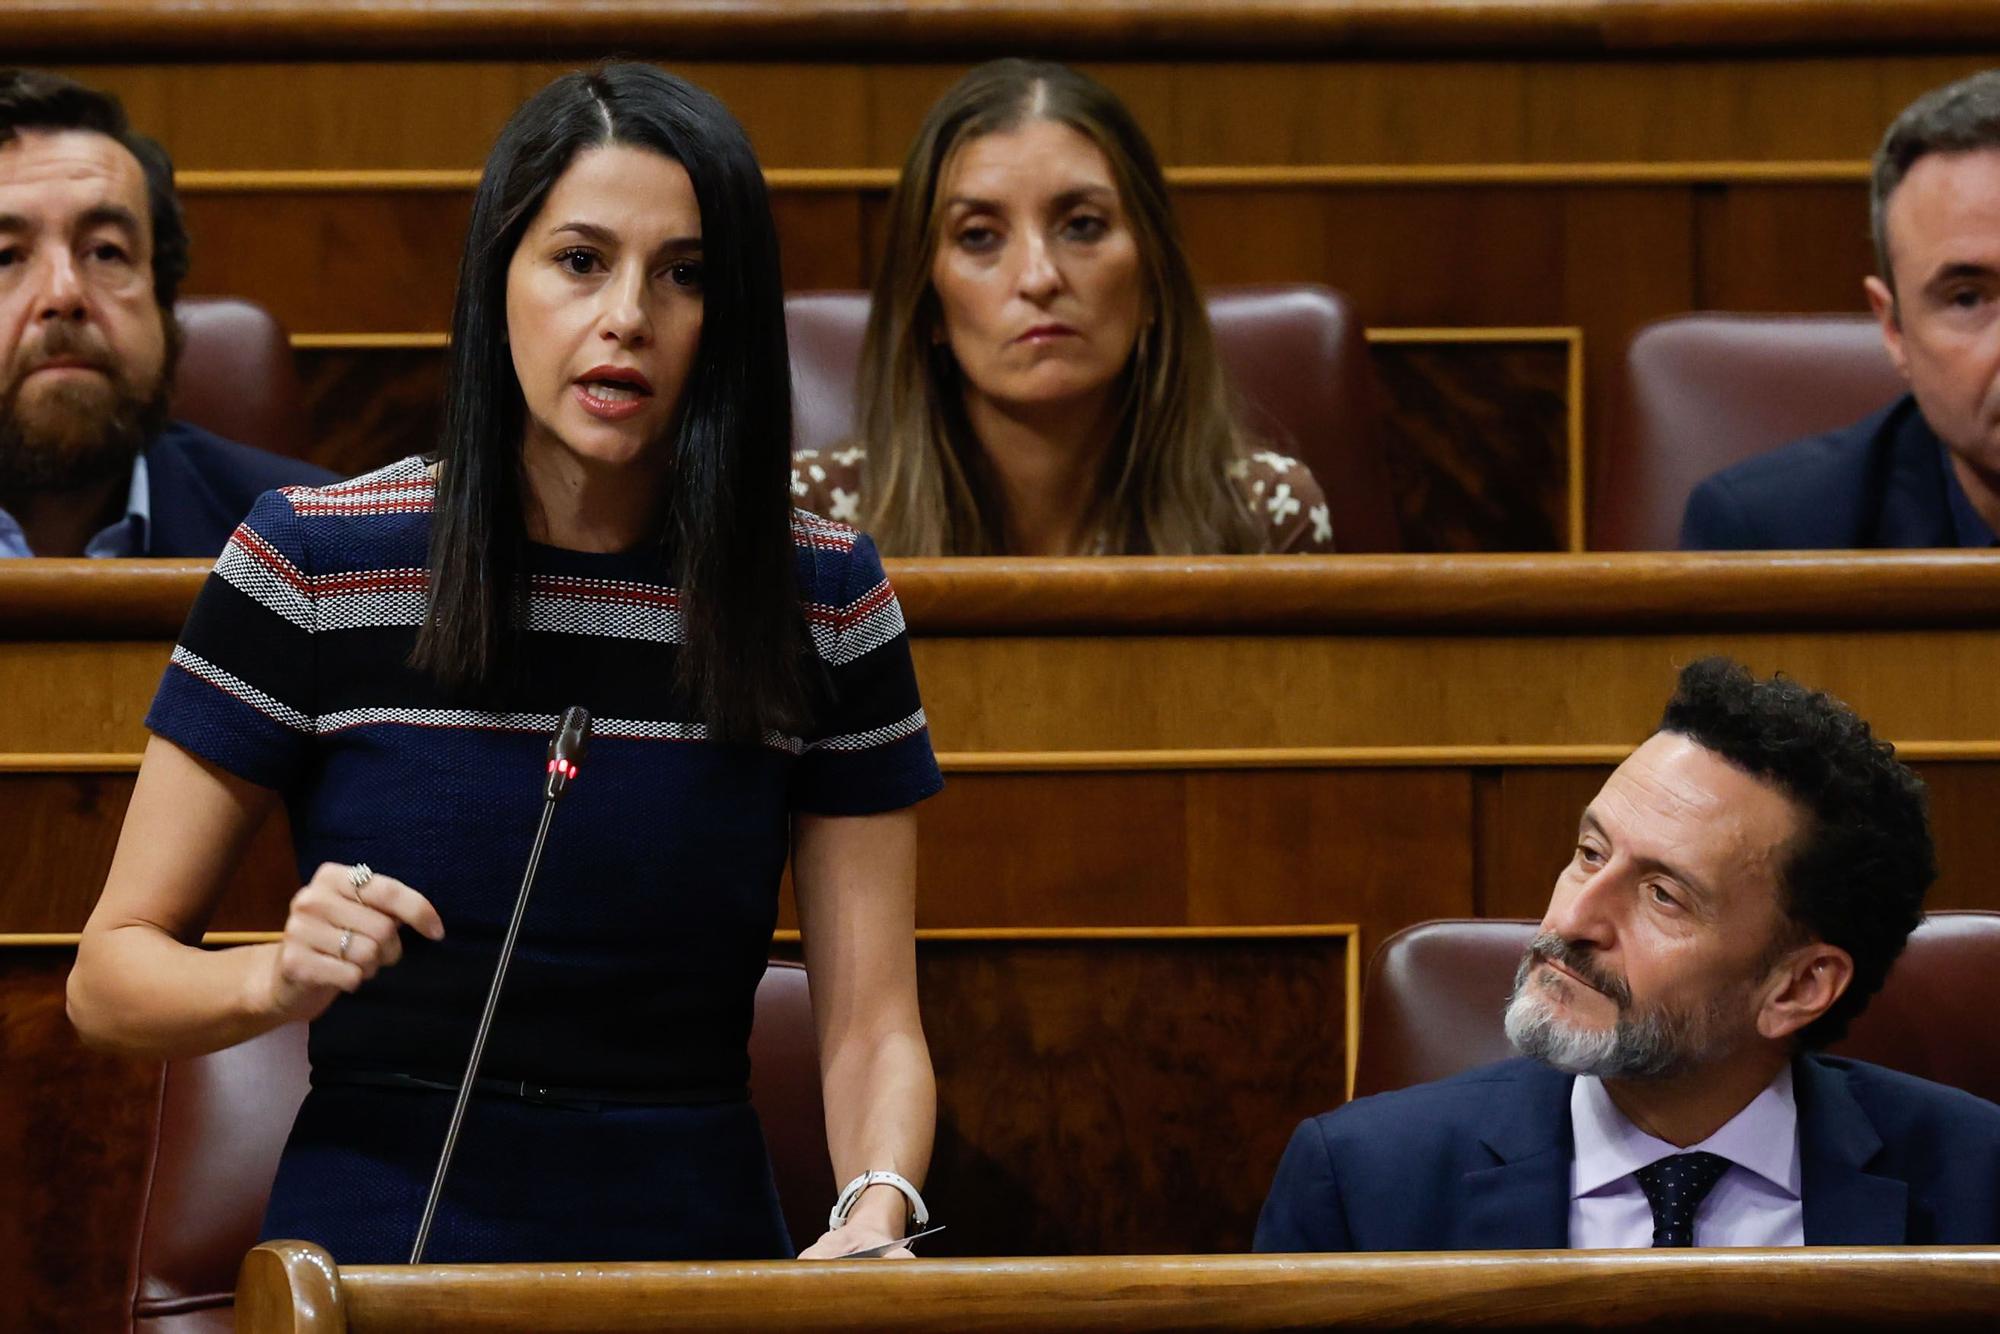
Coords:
252,543
823,532
359,509
858,610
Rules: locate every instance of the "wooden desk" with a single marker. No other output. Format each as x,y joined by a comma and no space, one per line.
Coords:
1218,748
297,1289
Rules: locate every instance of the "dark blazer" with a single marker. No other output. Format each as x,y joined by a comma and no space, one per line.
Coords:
202,485
1481,1161
1878,483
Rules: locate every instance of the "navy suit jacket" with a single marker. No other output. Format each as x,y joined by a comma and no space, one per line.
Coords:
201,486
1481,1161
1878,483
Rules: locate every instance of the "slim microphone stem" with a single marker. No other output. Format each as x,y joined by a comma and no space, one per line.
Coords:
479,1038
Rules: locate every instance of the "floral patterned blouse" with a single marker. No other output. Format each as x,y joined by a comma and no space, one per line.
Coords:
1279,491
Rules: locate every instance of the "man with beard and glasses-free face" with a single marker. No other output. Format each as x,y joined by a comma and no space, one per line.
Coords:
92,250
1738,891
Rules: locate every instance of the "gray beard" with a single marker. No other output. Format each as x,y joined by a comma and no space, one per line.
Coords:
1655,1044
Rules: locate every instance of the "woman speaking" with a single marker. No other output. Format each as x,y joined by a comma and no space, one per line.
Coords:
606,523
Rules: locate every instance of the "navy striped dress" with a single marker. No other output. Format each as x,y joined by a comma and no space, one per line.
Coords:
651,921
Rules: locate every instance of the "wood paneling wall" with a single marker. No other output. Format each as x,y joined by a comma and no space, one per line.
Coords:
1380,846
1124,1095
1233,742
230,112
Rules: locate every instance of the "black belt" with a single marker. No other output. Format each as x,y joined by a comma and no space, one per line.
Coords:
556,1095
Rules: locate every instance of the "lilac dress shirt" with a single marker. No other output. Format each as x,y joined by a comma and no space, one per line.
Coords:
1756,1203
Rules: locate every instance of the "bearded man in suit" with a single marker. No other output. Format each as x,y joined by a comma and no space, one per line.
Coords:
92,252
1738,891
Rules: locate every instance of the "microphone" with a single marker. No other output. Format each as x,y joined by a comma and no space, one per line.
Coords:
566,751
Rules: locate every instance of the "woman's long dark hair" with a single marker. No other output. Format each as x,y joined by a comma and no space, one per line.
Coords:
727,513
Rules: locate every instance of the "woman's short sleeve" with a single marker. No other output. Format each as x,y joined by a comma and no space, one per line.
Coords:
239,691
870,748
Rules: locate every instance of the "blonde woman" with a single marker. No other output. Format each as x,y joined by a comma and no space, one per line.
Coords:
1038,376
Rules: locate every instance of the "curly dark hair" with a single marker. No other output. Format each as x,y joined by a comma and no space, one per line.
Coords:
1857,873
37,100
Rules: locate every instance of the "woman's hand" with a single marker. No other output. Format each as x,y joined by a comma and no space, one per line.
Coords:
338,935
851,1237
878,1216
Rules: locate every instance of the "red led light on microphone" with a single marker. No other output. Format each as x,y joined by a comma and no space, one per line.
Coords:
566,769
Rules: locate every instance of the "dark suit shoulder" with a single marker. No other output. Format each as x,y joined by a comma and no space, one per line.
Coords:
1941,1144
1445,1107
239,468
1835,455
1389,1172
1905,1107
202,485
1815,493
1435,1132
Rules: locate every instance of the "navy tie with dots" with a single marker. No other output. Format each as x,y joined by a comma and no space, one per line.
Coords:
1675,1187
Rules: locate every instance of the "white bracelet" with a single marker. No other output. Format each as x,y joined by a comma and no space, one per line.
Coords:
844,1206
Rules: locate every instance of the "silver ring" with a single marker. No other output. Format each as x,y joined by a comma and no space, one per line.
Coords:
358,875
346,939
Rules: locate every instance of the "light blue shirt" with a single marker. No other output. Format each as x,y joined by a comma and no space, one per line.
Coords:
1757,1202
124,537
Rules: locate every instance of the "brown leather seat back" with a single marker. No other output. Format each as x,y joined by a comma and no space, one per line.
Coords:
1934,1016
1295,355
824,330
1433,1001
784,1086
1298,360
1436,993
224,1118
1705,391
223,1122
237,377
